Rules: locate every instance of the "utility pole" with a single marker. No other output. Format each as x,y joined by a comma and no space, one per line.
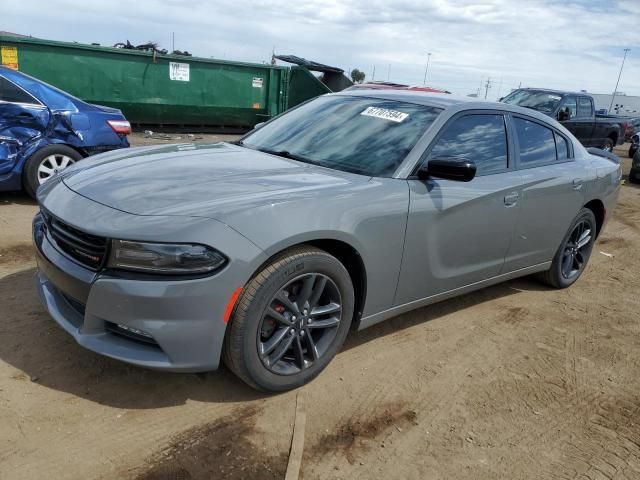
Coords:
487,86
499,87
373,75
613,97
173,42
426,70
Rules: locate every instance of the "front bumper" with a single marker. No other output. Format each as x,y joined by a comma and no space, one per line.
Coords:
184,317
180,316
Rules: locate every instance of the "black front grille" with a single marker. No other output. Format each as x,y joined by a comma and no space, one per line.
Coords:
88,250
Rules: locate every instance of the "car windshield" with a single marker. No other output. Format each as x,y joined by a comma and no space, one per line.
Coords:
545,102
368,136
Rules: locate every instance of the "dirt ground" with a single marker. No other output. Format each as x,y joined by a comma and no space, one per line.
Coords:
514,381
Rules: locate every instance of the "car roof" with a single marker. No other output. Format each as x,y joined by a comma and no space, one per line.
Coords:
44,91
557,92
440,100
453,103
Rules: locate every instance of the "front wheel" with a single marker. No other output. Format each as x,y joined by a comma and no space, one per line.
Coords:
575,250
290,320
45,163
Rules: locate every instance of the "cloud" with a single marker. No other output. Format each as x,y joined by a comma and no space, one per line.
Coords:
571,45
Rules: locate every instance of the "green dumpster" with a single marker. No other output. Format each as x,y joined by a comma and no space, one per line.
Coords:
152,88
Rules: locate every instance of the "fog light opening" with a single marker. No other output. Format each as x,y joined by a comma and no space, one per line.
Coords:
131,333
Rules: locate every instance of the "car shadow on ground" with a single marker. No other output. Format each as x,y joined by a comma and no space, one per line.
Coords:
43,353
441,309
16,198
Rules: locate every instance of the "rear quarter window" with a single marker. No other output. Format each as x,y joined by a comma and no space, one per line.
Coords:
562,148
536,143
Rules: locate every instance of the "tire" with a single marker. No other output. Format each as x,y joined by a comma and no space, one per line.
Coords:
632,150
633,176
253,331
608,145
53,157
556,276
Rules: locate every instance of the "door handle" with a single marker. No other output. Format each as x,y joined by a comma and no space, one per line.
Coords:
577,183
511,199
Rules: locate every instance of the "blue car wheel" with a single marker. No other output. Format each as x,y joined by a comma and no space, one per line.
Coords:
45,163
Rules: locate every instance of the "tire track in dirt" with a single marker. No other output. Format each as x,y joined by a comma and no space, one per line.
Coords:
218,449
381,393
435,396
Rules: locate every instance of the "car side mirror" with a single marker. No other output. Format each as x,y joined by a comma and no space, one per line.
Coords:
563,115
458,169
500,99
258,125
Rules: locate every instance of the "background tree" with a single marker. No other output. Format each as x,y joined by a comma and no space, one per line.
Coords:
357,76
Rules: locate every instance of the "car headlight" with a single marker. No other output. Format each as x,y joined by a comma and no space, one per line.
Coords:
166,258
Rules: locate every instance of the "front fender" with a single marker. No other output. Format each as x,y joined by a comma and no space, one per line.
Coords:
371,219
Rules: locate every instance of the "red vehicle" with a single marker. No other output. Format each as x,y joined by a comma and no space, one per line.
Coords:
394,86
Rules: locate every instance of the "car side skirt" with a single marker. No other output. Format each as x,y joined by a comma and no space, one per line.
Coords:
423,302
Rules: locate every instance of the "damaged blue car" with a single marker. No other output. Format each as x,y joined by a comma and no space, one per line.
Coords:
43,130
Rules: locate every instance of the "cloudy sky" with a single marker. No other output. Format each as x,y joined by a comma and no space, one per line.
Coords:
575,44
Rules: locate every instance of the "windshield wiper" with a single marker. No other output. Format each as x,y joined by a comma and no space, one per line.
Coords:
289,155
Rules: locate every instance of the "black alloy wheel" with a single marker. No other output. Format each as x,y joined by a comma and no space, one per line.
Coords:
574,252
299,324
577,250
290,320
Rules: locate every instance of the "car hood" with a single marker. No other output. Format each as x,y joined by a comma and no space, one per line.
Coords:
207,180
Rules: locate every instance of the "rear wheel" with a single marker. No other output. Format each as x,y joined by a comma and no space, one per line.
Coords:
290,320
45,163
575,250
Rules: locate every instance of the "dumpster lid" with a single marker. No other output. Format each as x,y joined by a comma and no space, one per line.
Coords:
303,62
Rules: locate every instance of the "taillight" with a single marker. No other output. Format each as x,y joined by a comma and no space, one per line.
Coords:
121,127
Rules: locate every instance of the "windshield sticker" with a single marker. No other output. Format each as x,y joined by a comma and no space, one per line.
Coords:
385,114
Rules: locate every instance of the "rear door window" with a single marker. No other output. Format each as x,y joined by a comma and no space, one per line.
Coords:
481,138
570,105
585,107
9,92
536,143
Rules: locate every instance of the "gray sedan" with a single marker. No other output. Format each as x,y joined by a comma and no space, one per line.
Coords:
343,212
